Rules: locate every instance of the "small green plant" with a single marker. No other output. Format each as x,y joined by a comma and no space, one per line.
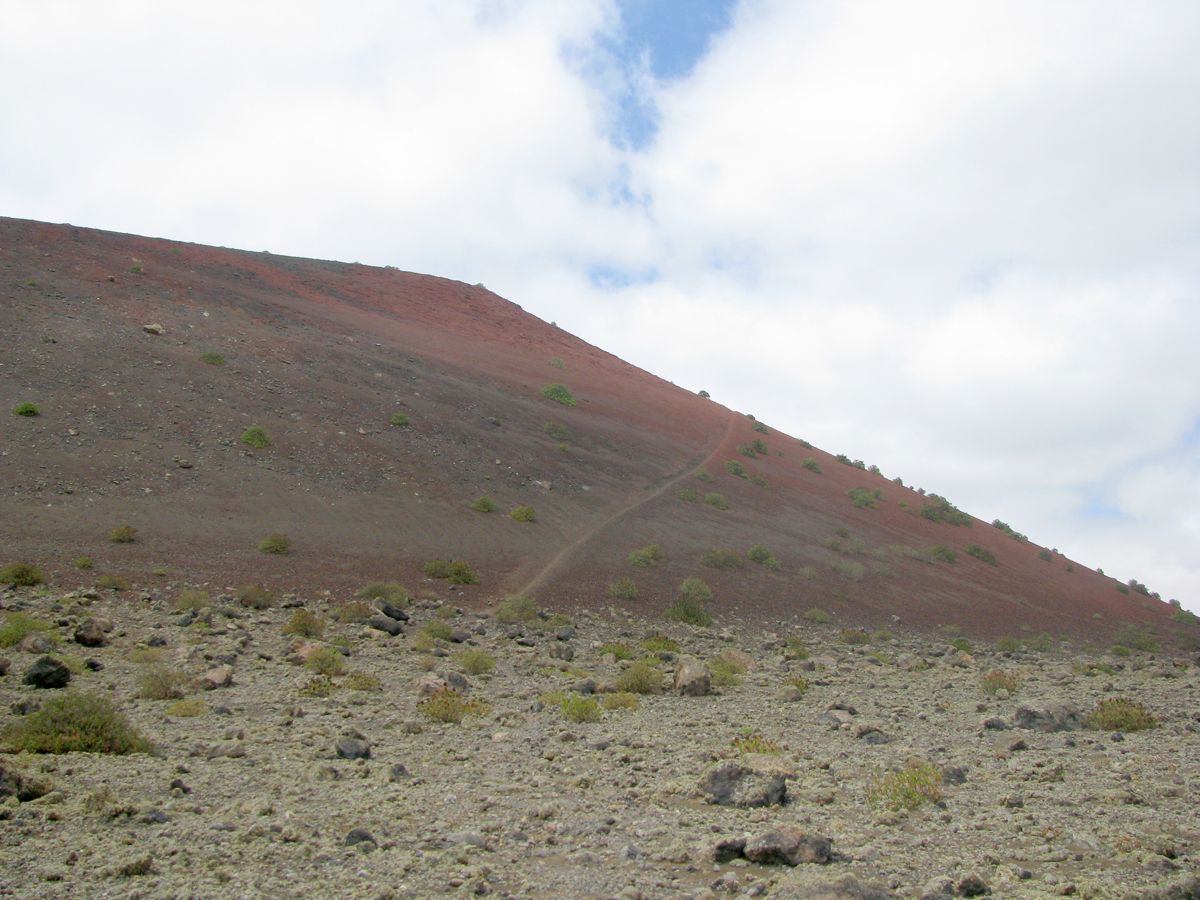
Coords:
688,495
1009,530
864,498
751,741
1041,642
719,558
621,700
1008,644
398,420
17,626
450,706
305,623
854,636
318,686
642,677
578,708
476,662
811,464
942,552
516,610
187,709
557,362
704,475
716,501
1000,679
387,591
559,393
961,644
213,358
275,544
691,604
256,436
112,582
484,504
83,563
192,600
454,571
1045,555
726,672
437,630
1133,637
618,650
659,643
1119,714
980,553
1185,617
255,596
557,431
26,409
915,785
76,722
799,682
523,514
735,468
362,681
623,589
326,661
137,268
647,557
764,557
146,656
938,509
21,575
161,683
123,534
818,616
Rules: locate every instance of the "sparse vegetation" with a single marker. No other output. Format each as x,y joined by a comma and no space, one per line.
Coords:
764,557
559,393
557,431
659,643
475,662
854,636
735,468
811,464
647,557
306,623
719,558
620,651
362,681
523,514
756,742
580,709
557,362
1009,530
620,700
83,563
76,722
938,509
864,498
450,706
452,570
28,410
123,534
1000,679
187,709
1120,714
21,575
256,436
160,683
688,495
112,582
484,504
385,591
943,553
980,553
915,785
326,661
642,677
255,596
213,358
623,589
398,420
515,610
715,500
818,616
726,671
1133,637
690,605
17,626
275,544
704,475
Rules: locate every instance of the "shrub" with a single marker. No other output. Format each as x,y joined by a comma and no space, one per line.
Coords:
187,709
448,705
980,554
557,430
618,650
305,623
688,495
1185,617
398,420
848,567
557,362
843,459
726,672
1045,555
1135,638
704,475
161,683
454,571
516,610
17,626
818,616
112,582
659,643
760,428
255,596
256,436
759,481
318,686
961,644
623,589
647,557
362,681
124,534
799,682
690,605
642,677
326,661
999,679
812,465
939,509
388,591
764,557
733,467
213,358
718,558
21,575
484,504
864,498
577,708
1009,530
842,542
76,722
26,409
476,662
854,636
559,393
437,630
755,742
83,563
1008,644
747,450
620,700
715,500
942,552
277,544
1119,714
1039,643
523,514
916,784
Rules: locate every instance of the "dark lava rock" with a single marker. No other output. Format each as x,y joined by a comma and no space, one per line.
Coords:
393,612
954,775
360,836
47,673
5,665
14,784
386,624
729,849
353,748
90,633
788,847
1058,717
973,886
734,784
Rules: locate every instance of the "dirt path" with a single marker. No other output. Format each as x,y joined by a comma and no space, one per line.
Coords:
539,579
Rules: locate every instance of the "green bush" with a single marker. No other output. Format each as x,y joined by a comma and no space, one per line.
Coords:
688,495
476,662
26,409
112,582
187,709
764,557
580,709
484,504
76,722
516,610
559,393
980,554
715,500
557,362
18,625
523,514
618,650
305,623
276,544
256,436
1045,555
1040,643
326,661
854,636
961,644
124,534
161,683
812,465
726,672
917,784
1009,530
1135,638
83,563
704,475
454,571
999,679
398,420
642,677
718,558
733,467
942,552
623,589
255,596
557,430
818,616
1119,714
21,575
939,509
752,741
647,557
1008,644
864,498
450,706
690,605
760,428
620,700
659,643
388,591
213,358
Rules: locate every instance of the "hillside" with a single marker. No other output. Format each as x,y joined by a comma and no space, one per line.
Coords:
138,428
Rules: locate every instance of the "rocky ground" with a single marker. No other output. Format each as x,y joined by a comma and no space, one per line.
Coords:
269,778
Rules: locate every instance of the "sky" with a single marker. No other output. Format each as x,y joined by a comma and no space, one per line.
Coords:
960,241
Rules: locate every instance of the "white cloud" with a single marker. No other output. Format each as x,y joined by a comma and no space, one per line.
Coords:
956,240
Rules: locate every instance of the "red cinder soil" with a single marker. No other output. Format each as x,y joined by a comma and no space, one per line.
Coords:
136,428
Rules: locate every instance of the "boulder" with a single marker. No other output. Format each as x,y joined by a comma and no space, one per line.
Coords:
92,633
733,783
47,673
1056,717
221,676
692,678
788,846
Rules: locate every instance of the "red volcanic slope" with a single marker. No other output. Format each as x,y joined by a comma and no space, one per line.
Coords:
136,428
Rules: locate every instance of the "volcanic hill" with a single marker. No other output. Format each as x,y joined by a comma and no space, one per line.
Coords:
393,402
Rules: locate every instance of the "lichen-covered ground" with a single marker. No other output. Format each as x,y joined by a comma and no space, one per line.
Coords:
252,798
